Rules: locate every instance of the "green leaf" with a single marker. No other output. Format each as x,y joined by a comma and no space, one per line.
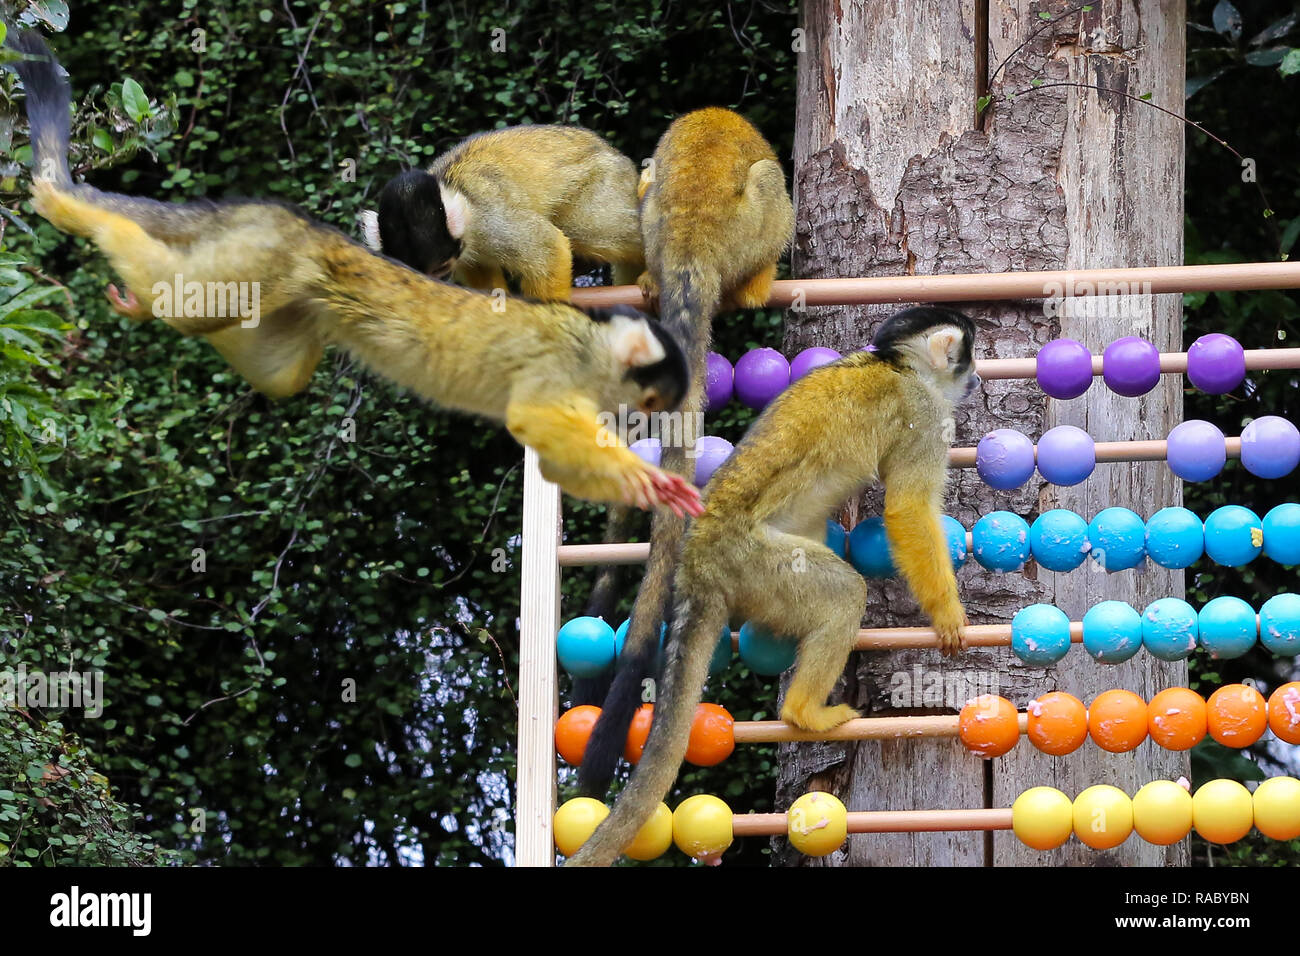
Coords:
1290,63
134,100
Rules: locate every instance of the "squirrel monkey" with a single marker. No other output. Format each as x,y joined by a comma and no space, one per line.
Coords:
521,201
716,217
757,551
547,371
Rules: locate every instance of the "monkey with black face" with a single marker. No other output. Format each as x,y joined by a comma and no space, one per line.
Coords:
546,370
758,550
519,202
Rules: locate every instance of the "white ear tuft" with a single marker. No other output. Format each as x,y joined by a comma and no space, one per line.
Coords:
942,345
368,220
633,342
457,209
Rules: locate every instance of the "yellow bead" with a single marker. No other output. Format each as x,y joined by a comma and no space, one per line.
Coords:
1223,811
702,827
1277,808
575,821
1162,812
817,824
653,839
1042,818
1103,817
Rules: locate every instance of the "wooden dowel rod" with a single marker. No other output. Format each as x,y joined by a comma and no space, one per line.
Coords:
884,821
993,286
861,728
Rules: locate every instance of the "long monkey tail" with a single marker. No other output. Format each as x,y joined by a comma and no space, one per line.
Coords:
689,295
696,634
49,102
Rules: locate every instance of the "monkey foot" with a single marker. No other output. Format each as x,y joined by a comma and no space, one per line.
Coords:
818,720
128,306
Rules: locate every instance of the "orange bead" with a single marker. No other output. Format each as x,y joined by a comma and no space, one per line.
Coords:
1237,715
1058,723
989,726
713,736
573,730
1176,718
1117,721
637,733
1284,712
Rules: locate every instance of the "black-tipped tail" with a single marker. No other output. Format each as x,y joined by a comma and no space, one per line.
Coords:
49,102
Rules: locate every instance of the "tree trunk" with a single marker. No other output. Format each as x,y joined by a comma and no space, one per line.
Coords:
892,175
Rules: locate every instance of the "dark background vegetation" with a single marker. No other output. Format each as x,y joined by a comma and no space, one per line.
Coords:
378,560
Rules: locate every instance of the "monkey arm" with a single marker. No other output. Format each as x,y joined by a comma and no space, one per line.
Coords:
920,551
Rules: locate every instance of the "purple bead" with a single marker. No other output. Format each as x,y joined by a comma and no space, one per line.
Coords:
1195,451
648,450
717,383
1216,363
1005,458
1131,366
809,359
761,375
1066,455
1064,368
1270,447
711,451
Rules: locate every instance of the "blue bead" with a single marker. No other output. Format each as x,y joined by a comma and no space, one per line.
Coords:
1059,540
1118,539
1279,624
837,539
1169,629
1231,533
1040,634
1004,458
869,549
585,646
1282,534
621,635
1227,626
765,653
1175,538
1112,631
722,653
956,540
1001,541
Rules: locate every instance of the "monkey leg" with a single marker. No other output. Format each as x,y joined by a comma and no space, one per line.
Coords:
754,292
547,273
487,276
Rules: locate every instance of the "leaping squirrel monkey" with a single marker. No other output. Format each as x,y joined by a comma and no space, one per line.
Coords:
547,371
716,217
521,201
758,550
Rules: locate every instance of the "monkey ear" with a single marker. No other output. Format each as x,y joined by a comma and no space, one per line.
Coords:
368,220
943,345
633,342
457,208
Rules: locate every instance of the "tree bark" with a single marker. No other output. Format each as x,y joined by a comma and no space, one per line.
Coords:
892,176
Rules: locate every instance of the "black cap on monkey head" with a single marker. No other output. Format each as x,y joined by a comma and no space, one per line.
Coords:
667,379
413,223
909,323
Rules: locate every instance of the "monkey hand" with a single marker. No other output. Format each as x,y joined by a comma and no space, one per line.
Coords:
649,487
650,289
948,626
128,305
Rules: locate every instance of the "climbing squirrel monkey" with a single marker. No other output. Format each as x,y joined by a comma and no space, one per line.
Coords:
520,202
547,371
758,550
716,217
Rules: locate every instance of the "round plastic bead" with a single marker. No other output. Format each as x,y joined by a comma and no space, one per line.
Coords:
1112,631
956,536
1162,812
1117,721
1227,627
1270,447
1103,817
576,821
1216,363
1233,535
655,836
621,635
837,539
1066,455
1169,629
702,827
710,451
1118,539
1195,450
1064,369
1059,540
648,450
1282,533
1175,538
1001,541
1043,818
718,384
988,725
1131,366
585,646
573,730
817,824
1057,723
1222,811
713,736
721,659
761,375
809,359
1177,718
1279,624
638,731
1236,715
869,549
1276,806
1005,458
1284,713
763,652
1040,634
